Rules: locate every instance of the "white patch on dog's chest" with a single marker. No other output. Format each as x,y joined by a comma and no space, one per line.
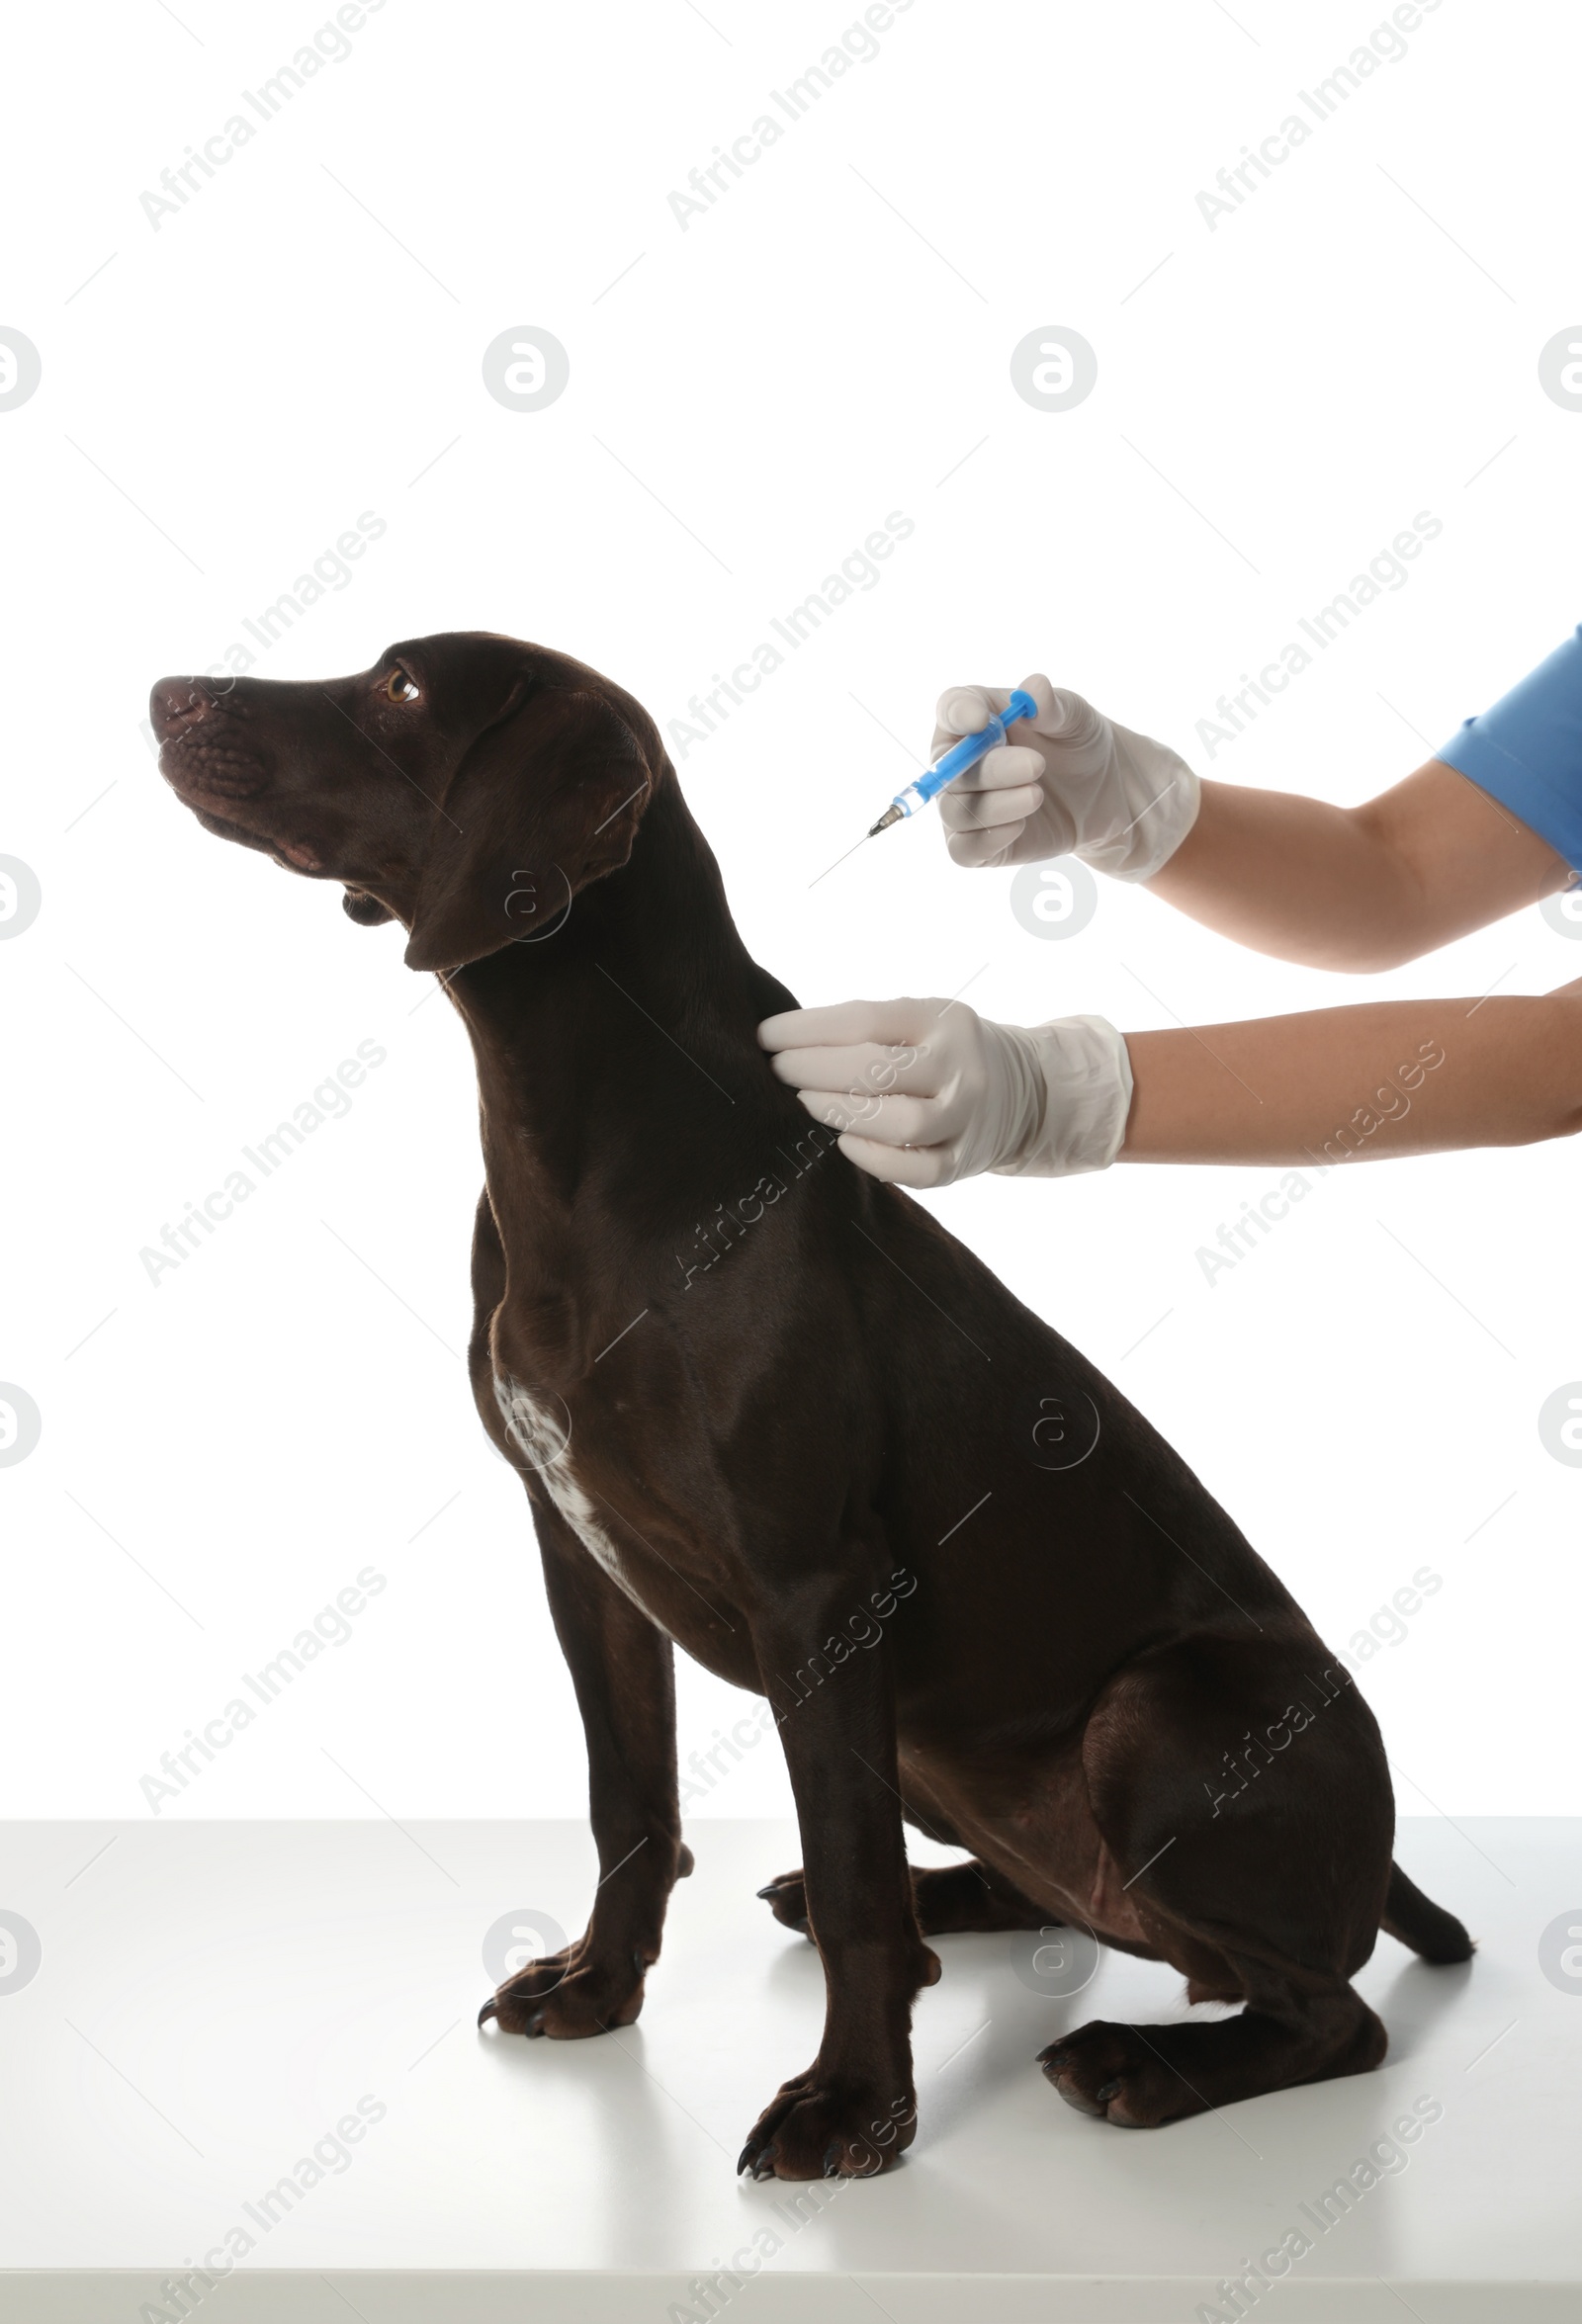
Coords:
544,1438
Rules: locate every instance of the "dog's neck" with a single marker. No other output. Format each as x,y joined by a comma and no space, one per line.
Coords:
619,1073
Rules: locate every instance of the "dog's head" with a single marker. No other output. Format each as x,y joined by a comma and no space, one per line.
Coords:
466,785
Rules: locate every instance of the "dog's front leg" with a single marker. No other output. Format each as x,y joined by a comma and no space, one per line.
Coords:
856,2107
622,1670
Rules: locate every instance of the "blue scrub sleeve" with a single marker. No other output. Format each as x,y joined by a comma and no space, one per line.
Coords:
1527,752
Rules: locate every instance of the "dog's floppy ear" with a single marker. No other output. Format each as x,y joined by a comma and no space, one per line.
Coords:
546,798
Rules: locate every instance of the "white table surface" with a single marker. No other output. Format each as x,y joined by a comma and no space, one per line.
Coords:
213,1998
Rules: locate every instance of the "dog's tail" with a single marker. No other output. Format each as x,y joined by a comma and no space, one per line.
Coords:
1415,1920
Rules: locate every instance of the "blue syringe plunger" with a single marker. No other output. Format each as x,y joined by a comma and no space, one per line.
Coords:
957,761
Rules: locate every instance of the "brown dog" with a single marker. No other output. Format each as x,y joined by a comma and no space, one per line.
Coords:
768,1409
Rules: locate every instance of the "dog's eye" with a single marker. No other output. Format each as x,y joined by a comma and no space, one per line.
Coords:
402,686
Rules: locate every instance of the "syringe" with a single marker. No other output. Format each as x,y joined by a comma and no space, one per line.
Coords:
957,761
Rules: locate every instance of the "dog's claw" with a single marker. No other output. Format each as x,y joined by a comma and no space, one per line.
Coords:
490,2009
1107,2091
769,1893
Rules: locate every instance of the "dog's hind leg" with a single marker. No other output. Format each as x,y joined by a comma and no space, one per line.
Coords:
956,1899
1240,1789
950,1900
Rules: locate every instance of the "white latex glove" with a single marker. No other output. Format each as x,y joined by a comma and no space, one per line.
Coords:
1072,783
926,1091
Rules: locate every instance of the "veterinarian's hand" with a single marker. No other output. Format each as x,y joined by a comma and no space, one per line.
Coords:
1072,783
927,1091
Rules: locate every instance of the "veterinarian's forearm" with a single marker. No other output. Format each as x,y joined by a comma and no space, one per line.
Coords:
1363,888
1367,1083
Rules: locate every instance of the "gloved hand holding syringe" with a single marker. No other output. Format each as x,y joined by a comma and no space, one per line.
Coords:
924,1092
957,761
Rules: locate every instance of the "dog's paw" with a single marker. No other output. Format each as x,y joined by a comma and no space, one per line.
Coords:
568,1994
813,2128
1119,2072
787,1899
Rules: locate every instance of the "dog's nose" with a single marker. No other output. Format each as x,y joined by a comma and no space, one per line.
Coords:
177,704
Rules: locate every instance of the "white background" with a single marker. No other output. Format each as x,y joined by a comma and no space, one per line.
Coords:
222,397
